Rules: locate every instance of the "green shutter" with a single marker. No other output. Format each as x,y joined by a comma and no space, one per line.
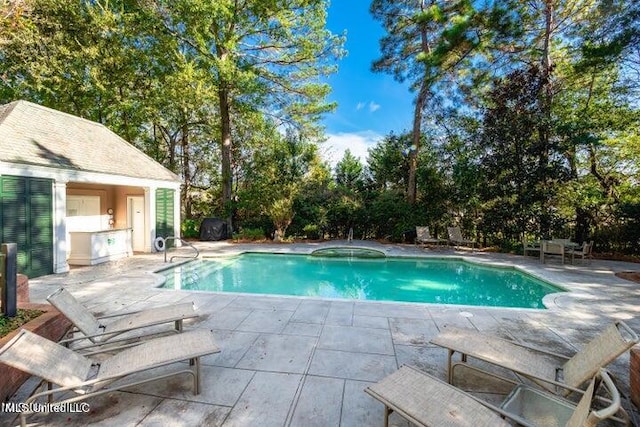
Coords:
26,217
164,213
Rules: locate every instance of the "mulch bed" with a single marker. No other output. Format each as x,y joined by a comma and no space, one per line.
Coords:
23,316
633,276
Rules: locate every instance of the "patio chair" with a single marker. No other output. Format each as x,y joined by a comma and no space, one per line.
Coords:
584,251
455,237
72,372
554,372
529,246
427,401
100,332
424,236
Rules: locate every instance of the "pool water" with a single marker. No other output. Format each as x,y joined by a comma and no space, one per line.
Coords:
392,279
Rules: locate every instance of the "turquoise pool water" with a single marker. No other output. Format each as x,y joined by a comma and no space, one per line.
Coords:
392,279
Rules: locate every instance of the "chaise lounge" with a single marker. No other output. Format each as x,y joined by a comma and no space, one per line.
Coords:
71,371
427,401
556,373
102,330
455,238
423,236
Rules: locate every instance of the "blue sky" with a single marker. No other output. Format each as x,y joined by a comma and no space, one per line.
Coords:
370,105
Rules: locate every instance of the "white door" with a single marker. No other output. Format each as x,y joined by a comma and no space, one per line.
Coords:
135,220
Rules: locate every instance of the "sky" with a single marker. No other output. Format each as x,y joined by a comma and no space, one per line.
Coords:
370,105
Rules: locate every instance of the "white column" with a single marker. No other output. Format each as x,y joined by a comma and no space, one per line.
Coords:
150,217
60,243
176,214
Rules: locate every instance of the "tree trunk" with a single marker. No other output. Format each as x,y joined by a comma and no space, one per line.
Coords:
583,222
415,141
544,131
170,141
607,183
583,217
186,160
226,149
417,116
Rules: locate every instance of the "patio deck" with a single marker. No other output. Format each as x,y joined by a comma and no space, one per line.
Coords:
290,361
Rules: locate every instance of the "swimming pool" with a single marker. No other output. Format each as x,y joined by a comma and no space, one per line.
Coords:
439,281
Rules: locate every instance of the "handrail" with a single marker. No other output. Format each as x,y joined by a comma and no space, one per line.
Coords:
184,242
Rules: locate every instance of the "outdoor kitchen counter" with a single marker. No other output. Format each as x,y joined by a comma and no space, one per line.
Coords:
95,247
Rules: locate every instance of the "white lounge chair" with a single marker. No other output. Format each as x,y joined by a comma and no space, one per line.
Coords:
427,401
424,236
103,329
71,371
555,372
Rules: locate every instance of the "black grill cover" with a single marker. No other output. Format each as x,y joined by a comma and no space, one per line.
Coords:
213,229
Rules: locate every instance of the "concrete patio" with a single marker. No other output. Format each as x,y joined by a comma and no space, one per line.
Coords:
290,361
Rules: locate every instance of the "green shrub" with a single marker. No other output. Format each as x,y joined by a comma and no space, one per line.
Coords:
511,246
312,231
391,215
190,228
281,213
249,234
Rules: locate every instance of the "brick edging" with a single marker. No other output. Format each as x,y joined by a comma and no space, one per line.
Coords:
51,324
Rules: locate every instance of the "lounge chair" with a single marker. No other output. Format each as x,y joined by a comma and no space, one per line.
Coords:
99,331
427,401
424,236
455,237
71,371
556,373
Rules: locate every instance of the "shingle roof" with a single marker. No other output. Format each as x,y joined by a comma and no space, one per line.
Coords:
31,134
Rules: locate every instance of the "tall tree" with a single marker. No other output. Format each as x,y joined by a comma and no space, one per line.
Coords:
547,34
513,190
264,55
80,57
597,126
274,168
112,63
387,162
425,40
349,170
612,35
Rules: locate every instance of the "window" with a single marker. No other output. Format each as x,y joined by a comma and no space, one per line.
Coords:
83,213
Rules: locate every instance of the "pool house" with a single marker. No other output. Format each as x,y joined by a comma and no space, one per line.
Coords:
72,192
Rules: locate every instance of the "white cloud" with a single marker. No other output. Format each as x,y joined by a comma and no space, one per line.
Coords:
371,105
357,142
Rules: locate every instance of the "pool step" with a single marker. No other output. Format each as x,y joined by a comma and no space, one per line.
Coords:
193,272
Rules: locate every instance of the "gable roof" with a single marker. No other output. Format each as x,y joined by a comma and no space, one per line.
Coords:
31,134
